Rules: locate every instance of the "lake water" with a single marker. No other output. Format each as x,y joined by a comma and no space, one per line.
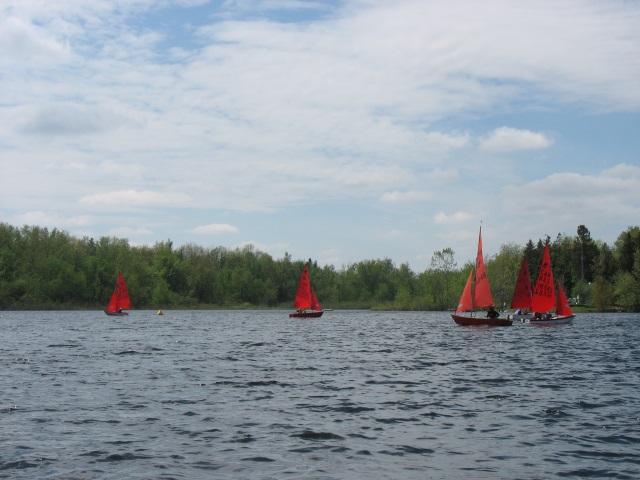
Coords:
352,395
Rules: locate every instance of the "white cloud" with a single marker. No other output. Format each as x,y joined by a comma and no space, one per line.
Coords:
441,176
77,166
458,217
405,197
23,41
49,219
134,198
446,141
507,139
261,112
623,171
371,177
126,232
565,200
215,229
69,119
391,234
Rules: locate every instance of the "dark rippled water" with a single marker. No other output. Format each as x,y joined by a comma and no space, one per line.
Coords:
352,395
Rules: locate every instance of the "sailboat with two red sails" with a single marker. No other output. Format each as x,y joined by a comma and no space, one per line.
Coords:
477,294
306,299
544,296
119,299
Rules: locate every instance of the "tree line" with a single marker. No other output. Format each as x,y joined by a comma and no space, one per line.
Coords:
51,269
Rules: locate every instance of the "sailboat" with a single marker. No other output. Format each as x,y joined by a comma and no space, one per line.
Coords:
119,299
478,297
522,294
306,299
544,296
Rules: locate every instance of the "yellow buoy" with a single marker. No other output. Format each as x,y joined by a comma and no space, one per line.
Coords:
160,312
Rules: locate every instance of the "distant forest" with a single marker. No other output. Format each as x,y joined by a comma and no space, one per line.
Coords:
51,269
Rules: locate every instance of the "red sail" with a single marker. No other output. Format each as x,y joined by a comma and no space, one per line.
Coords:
522,293
544,296
123,300
482,294
466,300
120,297
303,296
113,303
315,305
562,308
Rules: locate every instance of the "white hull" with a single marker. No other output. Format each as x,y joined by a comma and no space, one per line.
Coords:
551,321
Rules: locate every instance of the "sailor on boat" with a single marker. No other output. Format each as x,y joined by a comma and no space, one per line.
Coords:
492,313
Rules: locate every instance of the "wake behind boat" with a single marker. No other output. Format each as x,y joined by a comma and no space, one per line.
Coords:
306,299
478,297
119,299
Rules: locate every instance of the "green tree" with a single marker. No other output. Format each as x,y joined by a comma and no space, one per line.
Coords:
172,273
586,252
626,245
442,268
405,288
604,265
627,293
42,268
602,294
562,253
502,271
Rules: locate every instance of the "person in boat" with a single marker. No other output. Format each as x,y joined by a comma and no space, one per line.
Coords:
537,316
518,311
547,316
119,310
492,313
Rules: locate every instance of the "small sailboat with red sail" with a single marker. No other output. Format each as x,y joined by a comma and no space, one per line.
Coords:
544,296
306,299
522,294
119,299
477,294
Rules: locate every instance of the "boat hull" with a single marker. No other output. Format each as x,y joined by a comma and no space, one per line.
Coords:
306,314
557,320
481,321
116,314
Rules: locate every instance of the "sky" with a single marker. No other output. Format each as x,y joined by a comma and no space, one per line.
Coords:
339,131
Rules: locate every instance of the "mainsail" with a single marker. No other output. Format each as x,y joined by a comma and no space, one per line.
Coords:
482,294
522,293
306,299
120,297
544,296
303,296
